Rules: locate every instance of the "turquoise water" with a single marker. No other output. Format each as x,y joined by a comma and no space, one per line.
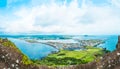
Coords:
110,40
33,50
110,43
38,50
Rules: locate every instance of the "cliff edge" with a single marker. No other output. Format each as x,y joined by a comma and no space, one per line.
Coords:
111,60
12,58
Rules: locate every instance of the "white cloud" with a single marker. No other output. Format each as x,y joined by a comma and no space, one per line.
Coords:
116,2
53,18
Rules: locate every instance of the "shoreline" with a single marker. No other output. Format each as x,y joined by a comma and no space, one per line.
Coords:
63,45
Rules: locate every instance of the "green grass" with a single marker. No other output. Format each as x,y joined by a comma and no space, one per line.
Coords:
8,43
63,57
26,61
66,57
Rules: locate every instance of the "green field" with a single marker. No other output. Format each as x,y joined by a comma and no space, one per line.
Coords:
66,57
63,57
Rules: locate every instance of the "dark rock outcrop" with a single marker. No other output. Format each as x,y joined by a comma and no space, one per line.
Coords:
111,60
11,58
118,44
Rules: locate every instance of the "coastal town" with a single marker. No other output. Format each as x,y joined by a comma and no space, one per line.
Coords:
67,44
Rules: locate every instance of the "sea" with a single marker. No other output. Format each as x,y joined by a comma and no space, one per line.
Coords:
39,50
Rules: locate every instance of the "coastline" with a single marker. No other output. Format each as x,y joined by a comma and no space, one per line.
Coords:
109,60
79,44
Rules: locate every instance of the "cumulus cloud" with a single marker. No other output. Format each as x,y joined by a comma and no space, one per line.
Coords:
65,18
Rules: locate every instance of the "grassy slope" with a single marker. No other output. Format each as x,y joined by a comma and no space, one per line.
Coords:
65,57
8,43
62,58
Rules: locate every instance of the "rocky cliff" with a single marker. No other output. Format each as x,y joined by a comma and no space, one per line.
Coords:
12,58
108,61
111,60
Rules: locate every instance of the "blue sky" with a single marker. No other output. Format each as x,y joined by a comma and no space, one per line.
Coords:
3,3
94,17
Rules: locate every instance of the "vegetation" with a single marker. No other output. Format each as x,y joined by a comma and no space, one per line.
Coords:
26,61
66,57
8,43
63,57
